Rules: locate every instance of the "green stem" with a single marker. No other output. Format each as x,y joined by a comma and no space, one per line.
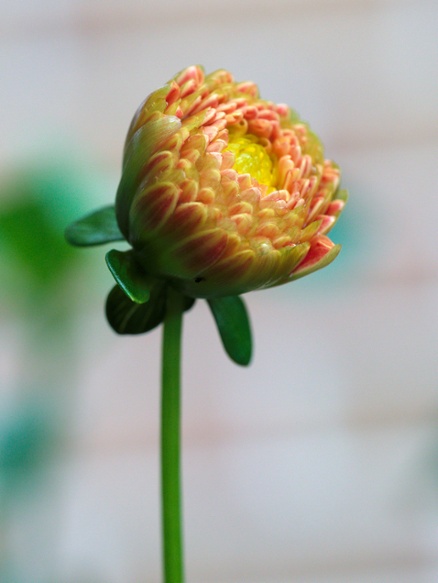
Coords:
170,439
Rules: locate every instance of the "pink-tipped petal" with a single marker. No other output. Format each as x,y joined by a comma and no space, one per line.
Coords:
322,252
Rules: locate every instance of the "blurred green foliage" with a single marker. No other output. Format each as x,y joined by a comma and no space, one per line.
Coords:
38,305
35,207
33,239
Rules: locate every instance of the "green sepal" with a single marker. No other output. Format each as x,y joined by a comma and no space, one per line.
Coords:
128,274
96,228
128,317
234,328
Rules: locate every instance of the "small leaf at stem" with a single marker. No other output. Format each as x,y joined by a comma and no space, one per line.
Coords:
234,328
134,282
97,228
128,317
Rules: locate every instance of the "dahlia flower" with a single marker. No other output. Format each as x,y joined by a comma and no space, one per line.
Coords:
223,192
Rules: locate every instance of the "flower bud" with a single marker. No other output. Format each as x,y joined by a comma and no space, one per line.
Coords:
223,192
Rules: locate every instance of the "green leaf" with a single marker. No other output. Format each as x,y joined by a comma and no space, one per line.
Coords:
135,283
128,317
96,228
234,328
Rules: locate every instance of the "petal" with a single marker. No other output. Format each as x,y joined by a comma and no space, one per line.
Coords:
151,209
145,141
226,277
322,252
192,256
188,218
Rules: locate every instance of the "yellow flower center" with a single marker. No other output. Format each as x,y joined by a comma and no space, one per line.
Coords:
251,157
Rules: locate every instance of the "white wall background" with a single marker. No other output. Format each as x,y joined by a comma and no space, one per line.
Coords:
318,463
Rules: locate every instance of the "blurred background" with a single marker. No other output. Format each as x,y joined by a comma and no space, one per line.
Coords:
319,463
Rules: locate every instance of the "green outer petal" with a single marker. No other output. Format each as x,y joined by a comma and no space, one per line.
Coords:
146,140
96,228
131,278
234,328
342,194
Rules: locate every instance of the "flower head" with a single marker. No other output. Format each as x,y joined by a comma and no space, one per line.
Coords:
223,192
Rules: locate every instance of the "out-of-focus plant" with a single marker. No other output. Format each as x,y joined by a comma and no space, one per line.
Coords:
36,271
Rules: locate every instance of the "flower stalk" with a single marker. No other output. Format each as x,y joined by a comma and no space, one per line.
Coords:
171,439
